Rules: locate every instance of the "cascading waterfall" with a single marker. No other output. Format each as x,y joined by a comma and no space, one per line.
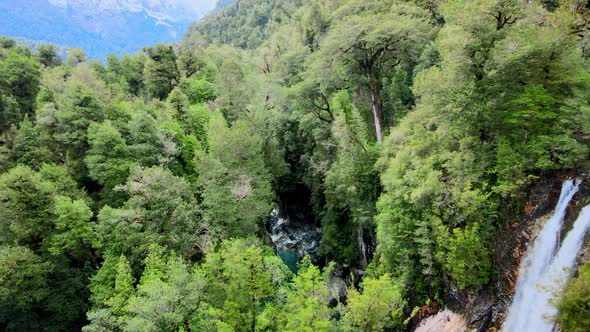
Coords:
547,268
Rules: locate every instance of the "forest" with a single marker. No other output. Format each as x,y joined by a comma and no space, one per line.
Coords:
134,193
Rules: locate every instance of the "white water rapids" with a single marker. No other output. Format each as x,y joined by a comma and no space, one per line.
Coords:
544,272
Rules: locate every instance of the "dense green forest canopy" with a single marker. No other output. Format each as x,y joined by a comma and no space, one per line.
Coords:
134,193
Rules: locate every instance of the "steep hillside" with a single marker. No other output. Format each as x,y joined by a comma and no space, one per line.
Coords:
342,165
243,23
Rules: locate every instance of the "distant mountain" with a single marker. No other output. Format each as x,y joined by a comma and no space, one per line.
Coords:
62,51
101,26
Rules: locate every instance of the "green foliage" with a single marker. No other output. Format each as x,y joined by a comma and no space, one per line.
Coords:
198,122
47,55
145,144
234,90
359,48
76,56
237,191
243,23
306,306
108,159
21,287
378,307
489,118
74,231
77,109
468,260
19,84
25,205
123,287
200,91
160,71
573,306
352,184
183,150
249,283
132,67
27,148
161,209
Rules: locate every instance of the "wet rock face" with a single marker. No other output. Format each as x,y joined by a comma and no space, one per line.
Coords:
292,233
337,287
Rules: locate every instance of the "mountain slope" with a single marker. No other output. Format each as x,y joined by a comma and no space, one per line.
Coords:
243,23
100,27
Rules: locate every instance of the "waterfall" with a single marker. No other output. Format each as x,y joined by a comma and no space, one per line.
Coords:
546,268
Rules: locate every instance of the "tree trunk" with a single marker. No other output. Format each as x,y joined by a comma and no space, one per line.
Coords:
254,315
376,105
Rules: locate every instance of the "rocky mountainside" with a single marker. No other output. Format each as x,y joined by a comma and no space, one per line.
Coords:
101,27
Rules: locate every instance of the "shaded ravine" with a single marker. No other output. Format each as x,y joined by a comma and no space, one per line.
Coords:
547,267
293,236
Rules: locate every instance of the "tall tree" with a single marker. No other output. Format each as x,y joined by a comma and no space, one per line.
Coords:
19,78
237,190
108,159
47,56
161,72
366,45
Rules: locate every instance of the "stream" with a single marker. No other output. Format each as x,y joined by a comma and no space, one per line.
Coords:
294,236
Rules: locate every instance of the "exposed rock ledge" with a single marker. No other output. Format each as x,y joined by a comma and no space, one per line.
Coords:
443,321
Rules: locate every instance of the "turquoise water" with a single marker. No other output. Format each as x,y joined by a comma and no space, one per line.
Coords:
290,259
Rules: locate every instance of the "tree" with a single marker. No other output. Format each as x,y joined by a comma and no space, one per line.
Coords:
237,191
145,145
123,289
241,277
351,185
47,56
364,45
233,90
160,73
200,91
179,103
249,283
77,109
25,206
132,67
27,149
468,259
19,78
306,307
380,306
24,284
74,232
7,43
76,56
108,159
161,207
194,63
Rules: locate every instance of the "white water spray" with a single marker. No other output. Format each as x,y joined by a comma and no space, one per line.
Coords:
545,272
